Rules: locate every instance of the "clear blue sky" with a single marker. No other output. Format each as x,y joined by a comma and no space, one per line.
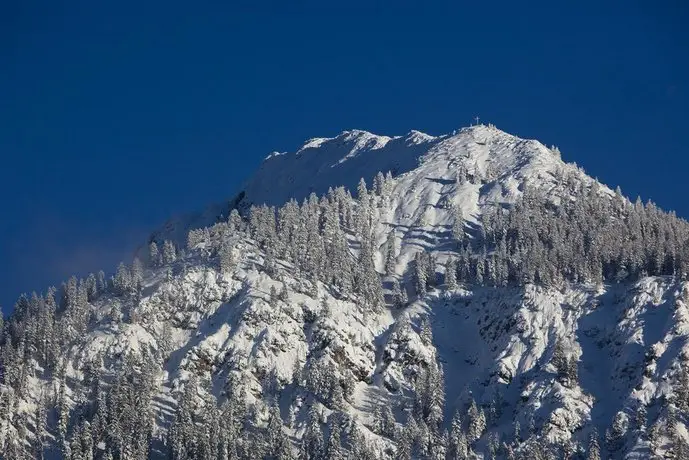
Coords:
113,118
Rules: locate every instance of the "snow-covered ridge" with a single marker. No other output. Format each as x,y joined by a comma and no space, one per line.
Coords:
328,162
342,160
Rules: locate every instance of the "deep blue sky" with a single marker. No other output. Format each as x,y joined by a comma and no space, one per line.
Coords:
113,118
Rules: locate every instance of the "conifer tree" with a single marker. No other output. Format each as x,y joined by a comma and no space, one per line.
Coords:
40,425
334,450
153,254
226,255
614,436
421,268
390,254
593,447
457,223
477,422
312,442
451,273
399,298
169,252
457,444
378,184
137,273
123,279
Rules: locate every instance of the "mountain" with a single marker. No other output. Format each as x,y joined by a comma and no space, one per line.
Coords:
462,296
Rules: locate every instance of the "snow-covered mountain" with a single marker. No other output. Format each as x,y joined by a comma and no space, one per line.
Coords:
480,298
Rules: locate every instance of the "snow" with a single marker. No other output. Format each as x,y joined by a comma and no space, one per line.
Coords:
489,341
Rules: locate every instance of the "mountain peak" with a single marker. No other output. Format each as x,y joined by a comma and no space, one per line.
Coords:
329,162
322,163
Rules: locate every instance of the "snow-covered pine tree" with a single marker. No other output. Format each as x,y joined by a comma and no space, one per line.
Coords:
399,298
593,447
274,430
421,273
457,445
169,252
426,331
40,427
334,449
378,184
476,422
154,256
457,223
226,258
313,446
451,273
123,279
390,254
137,273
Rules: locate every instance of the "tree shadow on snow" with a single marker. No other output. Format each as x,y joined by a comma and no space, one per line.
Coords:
441,181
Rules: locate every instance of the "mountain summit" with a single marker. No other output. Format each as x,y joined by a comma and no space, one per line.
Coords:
462,296
343,160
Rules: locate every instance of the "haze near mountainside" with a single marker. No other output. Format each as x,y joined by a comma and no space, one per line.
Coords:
479,298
